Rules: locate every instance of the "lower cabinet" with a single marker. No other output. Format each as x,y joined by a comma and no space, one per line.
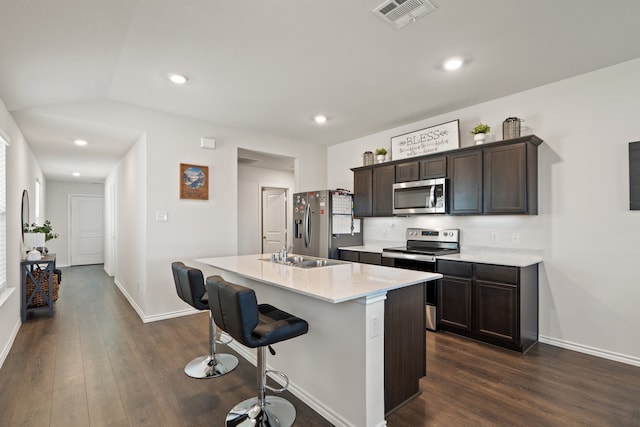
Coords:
492,303
454,303
374,258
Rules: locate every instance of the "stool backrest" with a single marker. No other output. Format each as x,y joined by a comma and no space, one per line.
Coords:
234,309
189,283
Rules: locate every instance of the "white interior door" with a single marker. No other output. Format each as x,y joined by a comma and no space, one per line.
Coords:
87,230
274,219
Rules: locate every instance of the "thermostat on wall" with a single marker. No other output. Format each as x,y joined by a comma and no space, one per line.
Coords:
209,143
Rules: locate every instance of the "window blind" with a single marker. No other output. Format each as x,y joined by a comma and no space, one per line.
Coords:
3,214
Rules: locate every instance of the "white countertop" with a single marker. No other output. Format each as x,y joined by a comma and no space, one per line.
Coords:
479,254
496,256
335,284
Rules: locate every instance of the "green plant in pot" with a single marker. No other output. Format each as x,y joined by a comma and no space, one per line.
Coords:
380,154
480,132
46,228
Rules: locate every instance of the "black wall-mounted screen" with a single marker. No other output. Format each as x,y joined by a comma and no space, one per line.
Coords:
634,176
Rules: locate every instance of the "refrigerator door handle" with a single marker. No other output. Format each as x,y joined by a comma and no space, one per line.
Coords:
307,226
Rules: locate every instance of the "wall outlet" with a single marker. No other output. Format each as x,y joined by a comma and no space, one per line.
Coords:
374,326
515,239
494,237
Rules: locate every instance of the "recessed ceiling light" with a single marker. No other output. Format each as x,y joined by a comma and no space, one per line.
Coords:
80,142
320,119
453,63
178,79
76,174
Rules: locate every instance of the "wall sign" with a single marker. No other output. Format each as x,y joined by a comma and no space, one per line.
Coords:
194,182
431,140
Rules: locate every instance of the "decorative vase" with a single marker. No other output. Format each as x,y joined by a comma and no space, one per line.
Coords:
479,138
380,158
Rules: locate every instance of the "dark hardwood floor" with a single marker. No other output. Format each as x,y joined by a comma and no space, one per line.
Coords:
96,364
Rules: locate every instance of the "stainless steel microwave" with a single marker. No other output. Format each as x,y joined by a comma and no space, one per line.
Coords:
420,197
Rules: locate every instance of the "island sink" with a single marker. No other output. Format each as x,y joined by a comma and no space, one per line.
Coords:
306,262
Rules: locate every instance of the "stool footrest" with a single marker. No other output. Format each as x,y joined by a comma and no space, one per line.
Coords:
281,375
222,335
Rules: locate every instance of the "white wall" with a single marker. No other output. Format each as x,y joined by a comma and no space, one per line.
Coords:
57,208
589,279
129,181
250,180
195,228
22,172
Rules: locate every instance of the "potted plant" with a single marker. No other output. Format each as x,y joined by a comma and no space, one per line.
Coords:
45,229
480,132
381,154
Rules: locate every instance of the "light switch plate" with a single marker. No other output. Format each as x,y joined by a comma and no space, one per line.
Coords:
162,216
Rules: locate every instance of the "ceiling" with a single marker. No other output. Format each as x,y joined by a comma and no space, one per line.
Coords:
270,66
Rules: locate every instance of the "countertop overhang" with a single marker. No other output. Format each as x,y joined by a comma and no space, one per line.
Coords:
334,284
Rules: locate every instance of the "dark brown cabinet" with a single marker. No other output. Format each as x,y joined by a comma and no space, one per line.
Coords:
454,302
363,193
404,345
496,178
383,180
433,167
353,256
465,177
511,179
374,258
492,303
372,191
454,294
489,179
408,171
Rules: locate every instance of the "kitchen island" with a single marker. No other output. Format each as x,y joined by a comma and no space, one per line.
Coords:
365,350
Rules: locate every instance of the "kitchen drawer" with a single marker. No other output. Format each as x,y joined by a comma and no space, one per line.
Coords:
371,258
454,268
352,256
497,273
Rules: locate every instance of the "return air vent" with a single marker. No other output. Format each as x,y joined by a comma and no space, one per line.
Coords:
400,13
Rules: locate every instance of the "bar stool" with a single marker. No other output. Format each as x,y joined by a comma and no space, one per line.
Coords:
237,312
190,287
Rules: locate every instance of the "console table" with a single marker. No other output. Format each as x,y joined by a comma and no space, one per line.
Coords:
28,268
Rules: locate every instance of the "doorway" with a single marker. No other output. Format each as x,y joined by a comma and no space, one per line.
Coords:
86,229
274,219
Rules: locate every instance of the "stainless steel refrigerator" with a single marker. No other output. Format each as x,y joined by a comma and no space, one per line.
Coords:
323,221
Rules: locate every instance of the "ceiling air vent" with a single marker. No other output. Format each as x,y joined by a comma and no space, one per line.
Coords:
400,13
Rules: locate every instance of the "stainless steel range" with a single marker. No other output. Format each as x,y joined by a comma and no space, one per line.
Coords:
425,245
419,253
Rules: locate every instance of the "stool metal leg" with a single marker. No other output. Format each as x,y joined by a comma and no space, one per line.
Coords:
263,411
213,365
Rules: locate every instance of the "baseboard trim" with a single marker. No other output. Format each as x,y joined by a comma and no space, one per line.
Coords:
156,317
12,338
300,393
617,357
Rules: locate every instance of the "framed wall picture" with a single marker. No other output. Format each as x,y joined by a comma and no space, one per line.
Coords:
431,140
194,182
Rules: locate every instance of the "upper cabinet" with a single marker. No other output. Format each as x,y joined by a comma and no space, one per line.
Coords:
511,179
489,179
433,167
465,182
408,171
372,191
363,193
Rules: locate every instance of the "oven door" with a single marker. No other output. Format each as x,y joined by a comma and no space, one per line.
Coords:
418,197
